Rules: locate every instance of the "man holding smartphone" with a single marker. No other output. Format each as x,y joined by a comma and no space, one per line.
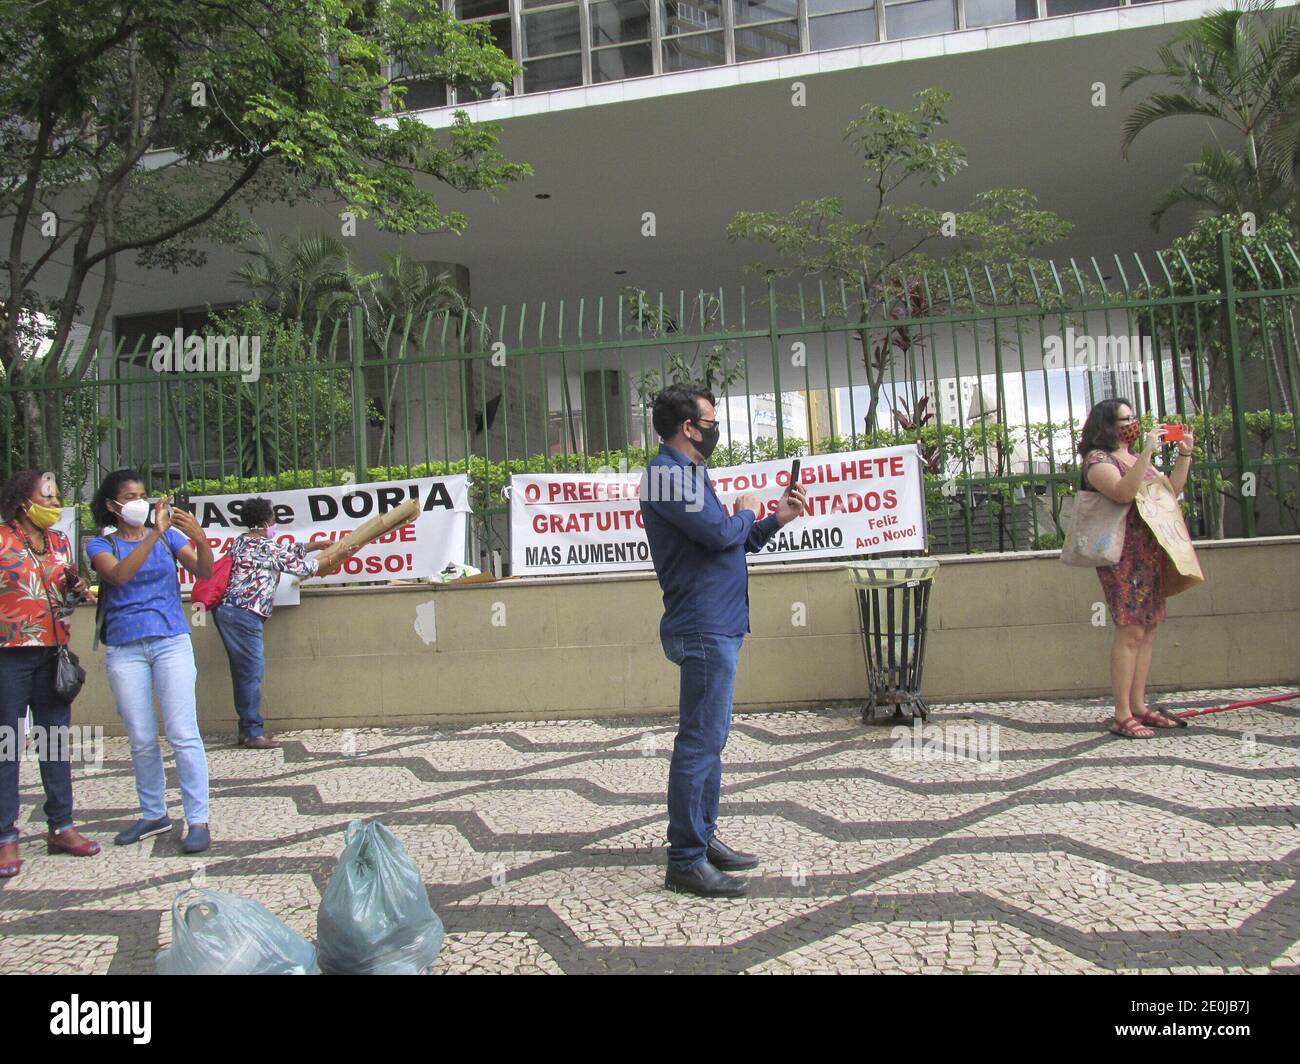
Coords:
699,557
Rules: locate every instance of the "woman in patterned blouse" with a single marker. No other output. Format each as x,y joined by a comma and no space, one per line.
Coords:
256,562
34,560
1134,586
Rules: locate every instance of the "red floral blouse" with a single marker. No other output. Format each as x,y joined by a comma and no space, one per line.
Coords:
24,610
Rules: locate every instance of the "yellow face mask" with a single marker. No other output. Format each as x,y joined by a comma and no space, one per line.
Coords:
42,516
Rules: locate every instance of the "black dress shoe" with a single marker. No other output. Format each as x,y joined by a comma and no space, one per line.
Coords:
725,859
704,880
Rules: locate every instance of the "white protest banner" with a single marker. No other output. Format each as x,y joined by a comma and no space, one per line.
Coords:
67,524
413,552
859,502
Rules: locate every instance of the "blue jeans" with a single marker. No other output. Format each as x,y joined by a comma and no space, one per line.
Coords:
27,678
708,680
165,665
241,632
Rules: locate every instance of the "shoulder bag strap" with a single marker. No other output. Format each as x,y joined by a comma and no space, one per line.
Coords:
49,599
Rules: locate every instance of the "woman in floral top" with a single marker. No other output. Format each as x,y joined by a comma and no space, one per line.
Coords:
1135,586
33,557
256,562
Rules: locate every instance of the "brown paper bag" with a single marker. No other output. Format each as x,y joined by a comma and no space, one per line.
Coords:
1159,508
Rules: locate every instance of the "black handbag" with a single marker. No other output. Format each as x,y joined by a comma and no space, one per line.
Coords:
69,676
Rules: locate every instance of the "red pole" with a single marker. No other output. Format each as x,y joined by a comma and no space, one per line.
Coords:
1239,705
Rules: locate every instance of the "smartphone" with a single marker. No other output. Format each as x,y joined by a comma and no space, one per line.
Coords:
794,475
1172,433
181,501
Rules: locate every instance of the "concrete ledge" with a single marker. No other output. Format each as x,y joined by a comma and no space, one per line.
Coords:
1001,626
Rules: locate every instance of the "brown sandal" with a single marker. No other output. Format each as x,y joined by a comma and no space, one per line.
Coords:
1159,718
1132,728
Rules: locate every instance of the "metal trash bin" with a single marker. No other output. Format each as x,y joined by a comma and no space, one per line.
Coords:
893,604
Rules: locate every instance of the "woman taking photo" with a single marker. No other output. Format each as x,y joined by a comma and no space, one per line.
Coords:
1135,586
39,586
256,562
147,647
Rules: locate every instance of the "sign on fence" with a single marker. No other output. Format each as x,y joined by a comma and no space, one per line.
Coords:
859,502
414,552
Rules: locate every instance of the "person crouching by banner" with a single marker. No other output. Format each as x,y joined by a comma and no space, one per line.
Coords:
256,562
1157,560
39,586
699,551
147,649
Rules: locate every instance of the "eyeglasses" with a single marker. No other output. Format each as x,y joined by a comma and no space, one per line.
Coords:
711,424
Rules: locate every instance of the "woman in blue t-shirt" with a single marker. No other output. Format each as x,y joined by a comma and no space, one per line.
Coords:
147,647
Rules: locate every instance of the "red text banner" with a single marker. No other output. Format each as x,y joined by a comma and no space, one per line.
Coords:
415,551
860,502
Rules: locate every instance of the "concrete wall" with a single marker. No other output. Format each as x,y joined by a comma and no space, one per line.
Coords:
1009,626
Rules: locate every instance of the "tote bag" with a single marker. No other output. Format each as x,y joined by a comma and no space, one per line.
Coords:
1095,536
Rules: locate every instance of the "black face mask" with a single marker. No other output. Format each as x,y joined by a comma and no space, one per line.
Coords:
710,441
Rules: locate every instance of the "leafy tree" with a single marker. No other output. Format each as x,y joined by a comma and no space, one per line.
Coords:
260,101
708,363
876,269
1268,332
1240,69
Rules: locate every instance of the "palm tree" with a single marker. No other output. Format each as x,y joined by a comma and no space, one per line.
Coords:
1240,67
403,294
308,279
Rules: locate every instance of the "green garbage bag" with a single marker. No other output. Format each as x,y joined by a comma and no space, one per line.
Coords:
375,917
223,934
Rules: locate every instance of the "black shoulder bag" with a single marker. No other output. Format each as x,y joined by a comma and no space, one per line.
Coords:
69,676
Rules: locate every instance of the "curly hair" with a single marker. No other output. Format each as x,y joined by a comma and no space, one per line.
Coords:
16,491
108,489
1099,432
256,513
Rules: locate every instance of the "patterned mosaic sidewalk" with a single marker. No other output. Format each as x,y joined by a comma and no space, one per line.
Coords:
1025,840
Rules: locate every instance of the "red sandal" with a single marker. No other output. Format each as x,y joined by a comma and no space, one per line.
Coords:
1132,728
1158,718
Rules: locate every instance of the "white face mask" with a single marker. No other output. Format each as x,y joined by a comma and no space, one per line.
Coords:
135,513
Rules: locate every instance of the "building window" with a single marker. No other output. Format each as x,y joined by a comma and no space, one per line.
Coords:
916,18
687,45
620,39
766,28
995,12
840,23
495,14
552,45
1078,7
421,92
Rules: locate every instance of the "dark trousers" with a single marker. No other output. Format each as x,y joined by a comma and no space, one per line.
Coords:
27,679
708,680
241,632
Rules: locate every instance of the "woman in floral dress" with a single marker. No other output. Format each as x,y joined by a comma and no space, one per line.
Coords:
1135,586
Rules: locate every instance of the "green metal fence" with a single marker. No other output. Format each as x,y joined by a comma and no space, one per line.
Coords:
955,361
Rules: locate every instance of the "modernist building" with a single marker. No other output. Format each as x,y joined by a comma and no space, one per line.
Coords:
650,123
